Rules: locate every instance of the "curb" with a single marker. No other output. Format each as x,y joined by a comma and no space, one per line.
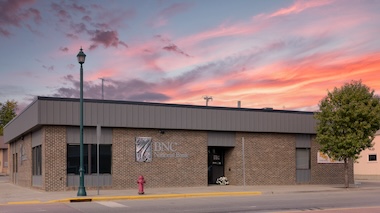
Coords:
159,196
136,197
22,202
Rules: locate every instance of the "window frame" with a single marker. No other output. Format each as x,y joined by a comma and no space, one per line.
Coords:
369,158
37,160
90,159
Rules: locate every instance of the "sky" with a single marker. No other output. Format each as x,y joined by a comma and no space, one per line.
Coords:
281,54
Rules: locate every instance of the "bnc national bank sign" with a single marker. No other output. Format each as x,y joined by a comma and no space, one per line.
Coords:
146,149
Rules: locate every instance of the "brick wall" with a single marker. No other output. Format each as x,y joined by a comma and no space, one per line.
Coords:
161,172
327,173
23,146
54,158
269,159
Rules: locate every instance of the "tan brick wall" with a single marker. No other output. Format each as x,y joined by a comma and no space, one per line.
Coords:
327,173
24,174
269,159
161,172
54,158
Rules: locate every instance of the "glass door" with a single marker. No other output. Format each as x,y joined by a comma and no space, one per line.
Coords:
215,164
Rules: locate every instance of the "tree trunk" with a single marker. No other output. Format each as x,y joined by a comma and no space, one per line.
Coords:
346,181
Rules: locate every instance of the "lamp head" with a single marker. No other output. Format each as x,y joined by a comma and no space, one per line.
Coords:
81,56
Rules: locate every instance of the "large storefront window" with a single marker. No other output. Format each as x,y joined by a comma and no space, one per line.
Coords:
36,156
90,158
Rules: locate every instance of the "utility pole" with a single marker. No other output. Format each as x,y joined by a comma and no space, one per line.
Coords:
207,98
103,79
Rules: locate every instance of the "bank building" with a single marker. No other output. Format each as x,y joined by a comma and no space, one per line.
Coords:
171,145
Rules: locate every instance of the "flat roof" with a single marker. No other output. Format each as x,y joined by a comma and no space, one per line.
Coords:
131,114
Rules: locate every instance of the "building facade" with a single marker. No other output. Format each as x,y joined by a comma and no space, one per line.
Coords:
170,145
367,166
3,157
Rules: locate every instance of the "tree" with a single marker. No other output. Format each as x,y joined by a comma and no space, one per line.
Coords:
348,119
7,113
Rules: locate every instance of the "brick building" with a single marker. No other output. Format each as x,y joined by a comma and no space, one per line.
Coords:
3,157
170,145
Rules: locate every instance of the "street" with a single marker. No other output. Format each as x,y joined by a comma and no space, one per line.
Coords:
324,202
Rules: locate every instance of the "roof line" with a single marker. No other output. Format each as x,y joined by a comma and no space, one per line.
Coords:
170,104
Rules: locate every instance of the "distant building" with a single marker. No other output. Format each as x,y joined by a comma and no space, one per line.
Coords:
3,157
367,166
171,145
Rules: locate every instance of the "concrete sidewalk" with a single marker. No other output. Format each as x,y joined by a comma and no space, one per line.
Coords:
12,194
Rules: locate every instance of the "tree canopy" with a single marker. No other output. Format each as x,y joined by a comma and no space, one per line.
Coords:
7,113
348,119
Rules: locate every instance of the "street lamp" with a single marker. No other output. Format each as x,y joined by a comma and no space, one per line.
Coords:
81,190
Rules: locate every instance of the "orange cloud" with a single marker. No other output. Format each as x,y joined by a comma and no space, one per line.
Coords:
282,86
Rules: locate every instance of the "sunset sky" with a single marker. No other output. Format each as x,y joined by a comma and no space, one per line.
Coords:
282,54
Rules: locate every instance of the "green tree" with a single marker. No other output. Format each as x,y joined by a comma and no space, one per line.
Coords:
348,119
7,113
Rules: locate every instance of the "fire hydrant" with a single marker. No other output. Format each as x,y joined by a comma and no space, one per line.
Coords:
141,182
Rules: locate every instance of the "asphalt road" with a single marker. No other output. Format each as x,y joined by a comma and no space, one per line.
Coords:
324,202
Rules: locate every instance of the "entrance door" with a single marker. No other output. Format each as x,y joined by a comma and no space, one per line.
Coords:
215,164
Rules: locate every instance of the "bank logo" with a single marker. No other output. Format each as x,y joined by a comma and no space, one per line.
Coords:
143,149
146,149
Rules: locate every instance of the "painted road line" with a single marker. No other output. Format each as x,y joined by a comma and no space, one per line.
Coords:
111,204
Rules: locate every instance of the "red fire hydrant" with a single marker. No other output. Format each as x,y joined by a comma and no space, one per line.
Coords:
141,182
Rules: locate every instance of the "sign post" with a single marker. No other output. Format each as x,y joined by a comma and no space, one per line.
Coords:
242,147
98,134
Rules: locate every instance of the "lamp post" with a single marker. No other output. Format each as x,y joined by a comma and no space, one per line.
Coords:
81,189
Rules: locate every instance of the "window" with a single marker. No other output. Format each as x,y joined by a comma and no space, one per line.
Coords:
372,157
15,163
303,158
36,160
104,159
89,158
5,159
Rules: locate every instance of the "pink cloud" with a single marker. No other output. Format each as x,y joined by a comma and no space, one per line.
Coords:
174,48
48,68
61,12
161,19
254,64
219,32
64,49
107,39
78,8
102,73
282,85
299,6
154,55
13,14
